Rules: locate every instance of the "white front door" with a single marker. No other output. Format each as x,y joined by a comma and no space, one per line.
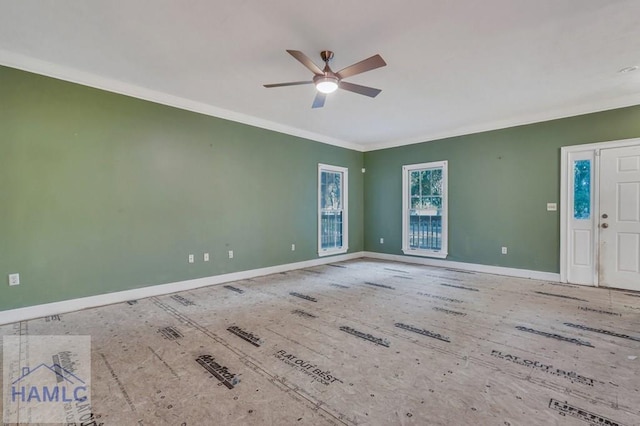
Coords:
619,221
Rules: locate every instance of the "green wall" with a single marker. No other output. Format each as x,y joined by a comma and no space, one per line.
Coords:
101,192
499,184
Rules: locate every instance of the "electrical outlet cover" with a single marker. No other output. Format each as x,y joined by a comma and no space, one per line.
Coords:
14,279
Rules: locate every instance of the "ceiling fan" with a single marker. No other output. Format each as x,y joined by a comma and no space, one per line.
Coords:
327,81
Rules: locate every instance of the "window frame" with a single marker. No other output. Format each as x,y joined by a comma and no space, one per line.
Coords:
345,211
406,207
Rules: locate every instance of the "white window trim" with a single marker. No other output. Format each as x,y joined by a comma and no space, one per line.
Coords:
443,252
345,210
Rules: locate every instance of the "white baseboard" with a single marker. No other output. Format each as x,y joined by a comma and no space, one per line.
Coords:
56,308
475,267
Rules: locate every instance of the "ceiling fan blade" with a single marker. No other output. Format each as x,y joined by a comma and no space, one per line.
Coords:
304,60
368,64
318,102
292,83
361,90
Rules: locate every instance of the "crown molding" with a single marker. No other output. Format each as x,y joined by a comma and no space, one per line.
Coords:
550,115
37,66
25,63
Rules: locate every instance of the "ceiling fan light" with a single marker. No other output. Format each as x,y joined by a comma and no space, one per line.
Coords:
326,84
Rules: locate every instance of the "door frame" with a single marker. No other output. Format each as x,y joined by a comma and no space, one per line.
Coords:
566,212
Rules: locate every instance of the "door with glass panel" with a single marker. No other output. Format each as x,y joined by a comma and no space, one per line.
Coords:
581,256
601,238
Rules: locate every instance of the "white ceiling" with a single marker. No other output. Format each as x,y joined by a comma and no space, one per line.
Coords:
454,67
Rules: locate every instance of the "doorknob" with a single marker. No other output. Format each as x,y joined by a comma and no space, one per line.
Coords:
604,216
604,225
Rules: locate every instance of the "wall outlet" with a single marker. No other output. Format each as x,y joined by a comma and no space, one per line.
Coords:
552,207
191,258
293,247
504,250
230,254
206,257
14,279
381,240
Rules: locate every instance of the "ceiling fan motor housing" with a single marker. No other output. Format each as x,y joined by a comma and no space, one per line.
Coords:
326,55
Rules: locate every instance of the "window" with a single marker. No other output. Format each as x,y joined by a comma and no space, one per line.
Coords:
332,210
582,189
424,210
